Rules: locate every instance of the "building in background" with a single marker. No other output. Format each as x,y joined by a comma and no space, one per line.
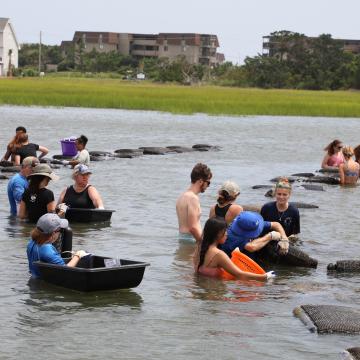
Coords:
9,48
196,48
275,45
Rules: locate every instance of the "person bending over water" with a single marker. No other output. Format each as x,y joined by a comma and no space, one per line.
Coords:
188,208
41,248
349,170
81,195
37,200
209,260
13,145
281,211
225,207
334,156
28,149
250,233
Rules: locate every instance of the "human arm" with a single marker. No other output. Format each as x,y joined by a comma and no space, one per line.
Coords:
95,197
76,258
7,154
43,151
259,243
233,212
193,215
17,160
51,207
22,210
212,212
224,262
342,174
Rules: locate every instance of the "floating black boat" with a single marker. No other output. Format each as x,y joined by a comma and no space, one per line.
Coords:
94,273
88,215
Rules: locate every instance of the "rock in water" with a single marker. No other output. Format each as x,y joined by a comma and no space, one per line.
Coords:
294,257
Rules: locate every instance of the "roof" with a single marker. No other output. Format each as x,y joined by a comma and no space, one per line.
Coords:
3,23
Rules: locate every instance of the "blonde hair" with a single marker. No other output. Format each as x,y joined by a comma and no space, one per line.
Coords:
348,151
283,183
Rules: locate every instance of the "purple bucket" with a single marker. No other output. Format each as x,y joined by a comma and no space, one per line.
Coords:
68,147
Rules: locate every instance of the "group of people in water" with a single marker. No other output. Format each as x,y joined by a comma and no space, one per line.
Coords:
230,227
31,200
340,157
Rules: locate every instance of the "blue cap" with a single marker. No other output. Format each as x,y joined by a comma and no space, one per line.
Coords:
248,224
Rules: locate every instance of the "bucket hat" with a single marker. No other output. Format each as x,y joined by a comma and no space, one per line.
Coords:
248,224
45,170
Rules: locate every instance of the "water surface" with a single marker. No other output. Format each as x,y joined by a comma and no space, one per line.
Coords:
174,314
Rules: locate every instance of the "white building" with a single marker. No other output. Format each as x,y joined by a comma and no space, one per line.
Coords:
9,47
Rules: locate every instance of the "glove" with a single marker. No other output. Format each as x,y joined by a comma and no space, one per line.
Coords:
81,253
283,246
270,275
61,208
66,162
275,235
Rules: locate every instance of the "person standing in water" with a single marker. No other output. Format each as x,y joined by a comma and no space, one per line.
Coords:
349,170
188,208
281,211
334,156
82,156
225,207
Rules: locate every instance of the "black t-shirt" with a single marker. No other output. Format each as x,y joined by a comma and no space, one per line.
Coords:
289,219
36,204
27,150
79,200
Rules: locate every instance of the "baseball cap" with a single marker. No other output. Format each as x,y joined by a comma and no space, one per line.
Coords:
50,222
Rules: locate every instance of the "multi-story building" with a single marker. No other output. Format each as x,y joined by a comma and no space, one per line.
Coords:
9,47
196,48
275,45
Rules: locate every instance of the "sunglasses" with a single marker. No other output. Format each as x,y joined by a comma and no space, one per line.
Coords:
208,182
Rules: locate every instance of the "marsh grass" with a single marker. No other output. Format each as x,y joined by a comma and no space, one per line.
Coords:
213,100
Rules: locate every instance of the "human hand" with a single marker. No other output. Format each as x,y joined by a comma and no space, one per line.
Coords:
81,253
61,209
283,246
270,275
275,235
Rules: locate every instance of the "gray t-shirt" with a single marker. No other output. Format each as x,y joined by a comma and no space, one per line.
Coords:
83,157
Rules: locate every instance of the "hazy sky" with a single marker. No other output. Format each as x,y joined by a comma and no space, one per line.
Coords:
239,24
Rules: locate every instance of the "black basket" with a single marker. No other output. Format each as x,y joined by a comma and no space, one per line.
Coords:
91,274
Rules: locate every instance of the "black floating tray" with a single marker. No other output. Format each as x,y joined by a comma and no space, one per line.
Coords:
88,215
91,274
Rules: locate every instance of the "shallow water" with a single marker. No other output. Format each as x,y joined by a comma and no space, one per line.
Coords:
174,314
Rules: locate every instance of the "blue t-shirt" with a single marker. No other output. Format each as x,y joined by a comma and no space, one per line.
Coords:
15,189
45,252
289,219
234,240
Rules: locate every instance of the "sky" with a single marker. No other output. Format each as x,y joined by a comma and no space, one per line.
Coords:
239,25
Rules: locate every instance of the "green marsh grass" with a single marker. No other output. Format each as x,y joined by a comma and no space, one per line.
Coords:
213,100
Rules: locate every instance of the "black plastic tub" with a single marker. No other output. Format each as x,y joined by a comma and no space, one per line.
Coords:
91,274
88,215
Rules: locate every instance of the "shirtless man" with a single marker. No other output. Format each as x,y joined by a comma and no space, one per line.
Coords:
188,204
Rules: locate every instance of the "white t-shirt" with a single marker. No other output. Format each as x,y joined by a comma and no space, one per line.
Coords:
83,157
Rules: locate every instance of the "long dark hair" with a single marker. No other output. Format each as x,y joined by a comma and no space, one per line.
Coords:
34,183
212,229
330,147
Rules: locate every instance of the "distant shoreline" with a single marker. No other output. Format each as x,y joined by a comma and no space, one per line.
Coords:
176,99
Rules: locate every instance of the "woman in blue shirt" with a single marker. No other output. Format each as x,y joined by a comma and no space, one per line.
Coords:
41,248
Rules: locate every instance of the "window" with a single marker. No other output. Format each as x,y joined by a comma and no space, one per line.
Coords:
165,48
